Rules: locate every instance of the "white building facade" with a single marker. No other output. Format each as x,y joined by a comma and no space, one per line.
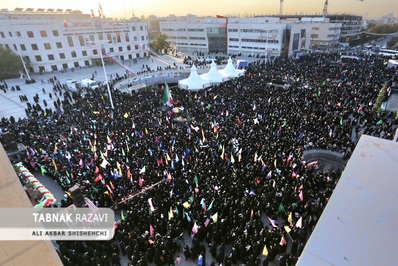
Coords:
193,34
256,36
60,40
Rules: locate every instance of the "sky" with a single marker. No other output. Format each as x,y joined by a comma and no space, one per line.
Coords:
126,8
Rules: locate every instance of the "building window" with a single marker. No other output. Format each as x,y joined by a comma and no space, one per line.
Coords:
133,28
135,38
23,47
18,33
47,46
118,37
120,49
59,45
84,53
62,55
30,34
2,34
73,53
55,33
34,47
81,41
111,50
126,36
95,52
109,37
26,59
314,36
9,33
128,47
43,33
38,58
141,28
136,47
142,38
50,57
70,41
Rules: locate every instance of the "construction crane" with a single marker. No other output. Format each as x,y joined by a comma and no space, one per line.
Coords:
325,7
281,7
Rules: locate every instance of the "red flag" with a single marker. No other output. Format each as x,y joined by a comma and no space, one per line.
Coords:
92,13
98,178
239,122
301,196
283,241
128,173
140,182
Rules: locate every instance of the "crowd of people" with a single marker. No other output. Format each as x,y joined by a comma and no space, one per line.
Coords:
228,171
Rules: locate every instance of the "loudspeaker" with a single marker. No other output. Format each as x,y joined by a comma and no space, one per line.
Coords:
77,196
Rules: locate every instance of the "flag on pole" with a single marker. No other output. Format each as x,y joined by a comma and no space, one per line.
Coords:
151,231
272,222
299,223
195,228
214,217
301,196
167,99
281,208
122,216
265,250
186,205
283,241
210,206
287,229
290,218
171,213
142,170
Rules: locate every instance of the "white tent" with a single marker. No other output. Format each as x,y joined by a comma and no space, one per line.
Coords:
213,76
230,71
194,81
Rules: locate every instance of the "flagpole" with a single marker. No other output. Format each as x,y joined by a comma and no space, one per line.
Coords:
101,45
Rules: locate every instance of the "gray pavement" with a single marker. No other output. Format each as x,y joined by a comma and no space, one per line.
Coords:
10,104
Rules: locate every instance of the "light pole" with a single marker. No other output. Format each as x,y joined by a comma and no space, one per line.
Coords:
101,46
23,62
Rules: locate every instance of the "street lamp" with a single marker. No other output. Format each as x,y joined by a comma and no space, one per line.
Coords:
23,62
101,46
266,43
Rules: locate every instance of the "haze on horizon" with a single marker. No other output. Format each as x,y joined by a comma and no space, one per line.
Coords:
126,8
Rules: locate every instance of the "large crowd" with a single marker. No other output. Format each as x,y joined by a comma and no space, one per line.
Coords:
228,171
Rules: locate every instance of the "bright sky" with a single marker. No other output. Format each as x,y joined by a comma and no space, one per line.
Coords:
125,8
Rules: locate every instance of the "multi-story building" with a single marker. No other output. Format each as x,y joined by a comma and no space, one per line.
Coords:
256,36
53,40
193,34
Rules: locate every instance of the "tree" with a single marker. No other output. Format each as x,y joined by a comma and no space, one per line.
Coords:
159,43
10,63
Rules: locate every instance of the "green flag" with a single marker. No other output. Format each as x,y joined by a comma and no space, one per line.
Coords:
165,96
281,208
341,121
42,169
379,122
190,200
195,179
122,215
